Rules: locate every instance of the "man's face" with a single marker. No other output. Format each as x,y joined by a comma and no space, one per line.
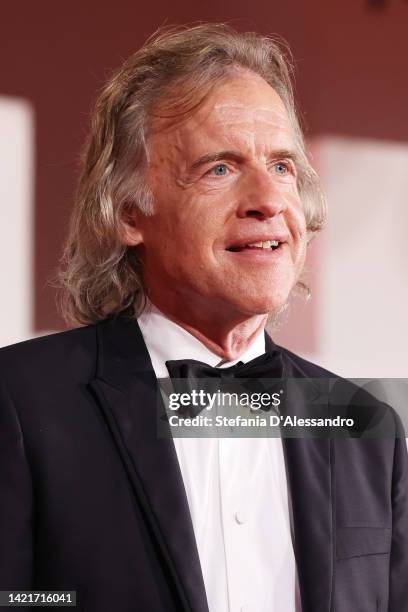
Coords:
222,179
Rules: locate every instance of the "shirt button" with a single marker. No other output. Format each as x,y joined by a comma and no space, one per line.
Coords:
240,518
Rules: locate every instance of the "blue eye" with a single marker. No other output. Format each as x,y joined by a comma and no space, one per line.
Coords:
281,168
219,170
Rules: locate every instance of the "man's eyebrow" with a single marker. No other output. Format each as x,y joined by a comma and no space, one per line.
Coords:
210,158
237,156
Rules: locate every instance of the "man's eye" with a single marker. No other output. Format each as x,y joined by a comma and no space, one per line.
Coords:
219,170
281,168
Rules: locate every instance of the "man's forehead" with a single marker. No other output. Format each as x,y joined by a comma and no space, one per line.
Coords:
247,97
234,111
244,105
242,113
236,122
241,93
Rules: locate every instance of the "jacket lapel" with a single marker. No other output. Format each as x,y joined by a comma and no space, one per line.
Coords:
126,389
309,478
309,467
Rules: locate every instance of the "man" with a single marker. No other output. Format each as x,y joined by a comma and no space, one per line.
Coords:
194,210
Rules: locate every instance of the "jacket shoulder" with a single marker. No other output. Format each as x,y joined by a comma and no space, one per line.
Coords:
49,355
363,404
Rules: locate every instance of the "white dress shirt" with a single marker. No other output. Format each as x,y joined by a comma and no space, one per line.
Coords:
237,494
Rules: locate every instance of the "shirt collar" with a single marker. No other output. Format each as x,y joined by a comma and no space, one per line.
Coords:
166,340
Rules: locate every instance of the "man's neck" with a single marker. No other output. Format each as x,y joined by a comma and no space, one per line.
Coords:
226,337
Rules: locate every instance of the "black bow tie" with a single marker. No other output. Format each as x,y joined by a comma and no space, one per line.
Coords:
268,365
186,372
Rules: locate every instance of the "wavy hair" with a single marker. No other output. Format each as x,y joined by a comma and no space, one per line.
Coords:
169,76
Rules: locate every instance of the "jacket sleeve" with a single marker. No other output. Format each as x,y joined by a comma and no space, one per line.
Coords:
15,501
398,596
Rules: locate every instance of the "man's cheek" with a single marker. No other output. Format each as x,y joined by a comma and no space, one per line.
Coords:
299,220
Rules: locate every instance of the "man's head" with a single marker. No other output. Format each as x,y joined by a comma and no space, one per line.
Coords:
195,152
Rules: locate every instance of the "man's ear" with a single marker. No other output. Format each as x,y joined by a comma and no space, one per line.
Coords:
131,234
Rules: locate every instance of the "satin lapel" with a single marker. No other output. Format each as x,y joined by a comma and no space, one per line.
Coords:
310,469
126,389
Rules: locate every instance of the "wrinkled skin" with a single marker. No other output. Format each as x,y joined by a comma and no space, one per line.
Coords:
223,176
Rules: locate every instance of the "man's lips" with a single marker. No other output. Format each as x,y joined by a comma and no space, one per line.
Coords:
258,255
257,243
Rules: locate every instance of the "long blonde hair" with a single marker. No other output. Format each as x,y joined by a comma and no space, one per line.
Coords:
177,67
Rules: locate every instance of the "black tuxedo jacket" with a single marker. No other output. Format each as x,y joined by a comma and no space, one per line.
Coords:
92,500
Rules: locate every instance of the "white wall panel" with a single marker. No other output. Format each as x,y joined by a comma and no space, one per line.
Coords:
362,296
16,219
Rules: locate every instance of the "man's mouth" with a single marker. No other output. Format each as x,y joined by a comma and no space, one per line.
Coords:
262,245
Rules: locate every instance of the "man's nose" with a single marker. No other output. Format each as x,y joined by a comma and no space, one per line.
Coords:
261,196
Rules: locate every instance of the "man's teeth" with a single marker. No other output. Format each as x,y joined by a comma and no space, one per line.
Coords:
265,244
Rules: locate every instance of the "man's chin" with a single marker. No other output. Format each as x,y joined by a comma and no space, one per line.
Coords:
267,306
